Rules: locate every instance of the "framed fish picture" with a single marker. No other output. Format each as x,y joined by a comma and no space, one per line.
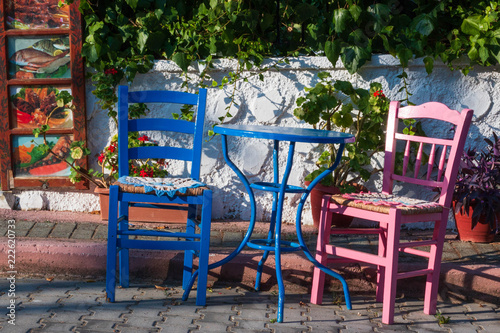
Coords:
42,83
34,106
38,57
31,160
39,14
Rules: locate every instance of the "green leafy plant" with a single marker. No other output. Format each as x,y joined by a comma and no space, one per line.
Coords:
441,319
108,159
337,105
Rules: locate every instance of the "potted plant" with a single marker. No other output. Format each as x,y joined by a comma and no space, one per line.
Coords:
477,193
108,162
337,105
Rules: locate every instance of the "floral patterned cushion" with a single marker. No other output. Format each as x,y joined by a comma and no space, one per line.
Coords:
169,186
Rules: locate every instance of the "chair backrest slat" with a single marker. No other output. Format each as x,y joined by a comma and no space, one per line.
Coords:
142,153
442,161
430,164
154,124
192,129
406,158
424,139
418,161
450,150
162,96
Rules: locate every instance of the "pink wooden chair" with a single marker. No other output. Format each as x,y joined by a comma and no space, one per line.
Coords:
391,211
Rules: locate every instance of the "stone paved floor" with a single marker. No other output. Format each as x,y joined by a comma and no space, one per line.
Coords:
79,306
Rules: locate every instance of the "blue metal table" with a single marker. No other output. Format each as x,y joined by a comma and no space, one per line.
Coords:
279,189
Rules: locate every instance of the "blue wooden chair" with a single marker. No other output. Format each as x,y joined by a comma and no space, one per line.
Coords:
147,192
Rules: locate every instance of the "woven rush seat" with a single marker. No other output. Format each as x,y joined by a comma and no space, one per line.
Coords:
169,186
382,203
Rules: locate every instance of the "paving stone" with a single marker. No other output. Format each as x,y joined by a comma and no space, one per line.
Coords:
449,252
486,251
255,325
101,232
98,325
41,229
23,228
134,320
231,237
483,317
177,324
213,326
466,251
51,326
4,226
62,230
84,231
109,311
124,328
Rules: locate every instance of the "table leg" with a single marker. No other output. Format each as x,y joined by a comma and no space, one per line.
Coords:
270,234
277,242
300,237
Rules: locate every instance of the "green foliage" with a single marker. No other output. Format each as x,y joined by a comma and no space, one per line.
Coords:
337,105
441,319
123,37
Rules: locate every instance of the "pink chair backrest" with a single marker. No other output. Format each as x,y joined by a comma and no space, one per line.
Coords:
443,154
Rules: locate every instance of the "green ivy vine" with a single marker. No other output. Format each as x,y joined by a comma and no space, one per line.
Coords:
124,37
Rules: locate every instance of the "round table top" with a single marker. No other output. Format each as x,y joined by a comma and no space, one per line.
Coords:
293,134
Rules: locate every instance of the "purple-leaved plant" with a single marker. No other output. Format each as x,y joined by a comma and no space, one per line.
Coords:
478,183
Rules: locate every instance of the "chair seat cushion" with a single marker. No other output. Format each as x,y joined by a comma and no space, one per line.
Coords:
382,203
170,186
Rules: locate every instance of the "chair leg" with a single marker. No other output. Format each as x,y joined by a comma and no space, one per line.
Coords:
187,270
111,246
123,254
382,250
432,283
206,216
318,283
391,267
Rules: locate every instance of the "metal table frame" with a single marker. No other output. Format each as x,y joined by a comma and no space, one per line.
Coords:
279,189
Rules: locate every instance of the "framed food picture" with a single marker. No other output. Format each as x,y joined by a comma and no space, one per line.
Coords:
35,106
39,14
30,159
42,83
39,57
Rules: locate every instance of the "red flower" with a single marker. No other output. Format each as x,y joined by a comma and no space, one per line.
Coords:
112,148
110,71
101,158
143,138
144,173
378,93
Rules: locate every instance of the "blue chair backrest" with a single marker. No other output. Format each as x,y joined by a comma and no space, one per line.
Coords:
126,125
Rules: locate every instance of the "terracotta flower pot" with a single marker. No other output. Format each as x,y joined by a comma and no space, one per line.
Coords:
143,214
481,233
316,195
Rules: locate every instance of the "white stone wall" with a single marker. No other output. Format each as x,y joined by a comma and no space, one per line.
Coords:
271,102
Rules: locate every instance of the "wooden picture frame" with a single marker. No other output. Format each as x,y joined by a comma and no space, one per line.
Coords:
40,54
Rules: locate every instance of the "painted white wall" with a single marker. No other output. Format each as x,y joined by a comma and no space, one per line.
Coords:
271,102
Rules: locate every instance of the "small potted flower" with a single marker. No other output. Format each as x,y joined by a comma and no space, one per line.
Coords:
477,193
337,105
